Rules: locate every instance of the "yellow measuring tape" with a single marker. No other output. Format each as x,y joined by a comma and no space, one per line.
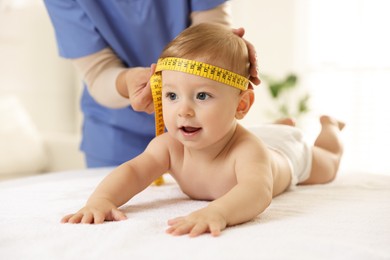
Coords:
191,67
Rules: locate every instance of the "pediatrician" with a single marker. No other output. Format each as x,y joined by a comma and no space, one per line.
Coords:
112,45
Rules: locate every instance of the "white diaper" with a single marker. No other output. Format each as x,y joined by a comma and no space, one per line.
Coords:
289,142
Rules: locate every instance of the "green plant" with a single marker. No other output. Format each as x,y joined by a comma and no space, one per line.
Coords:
287,100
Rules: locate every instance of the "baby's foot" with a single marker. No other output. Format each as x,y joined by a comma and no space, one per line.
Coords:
330,120
285,121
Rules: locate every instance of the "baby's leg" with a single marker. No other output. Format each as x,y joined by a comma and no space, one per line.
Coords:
327,152
285,121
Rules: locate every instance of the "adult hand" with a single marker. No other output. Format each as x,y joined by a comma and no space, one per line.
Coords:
134,84
253,68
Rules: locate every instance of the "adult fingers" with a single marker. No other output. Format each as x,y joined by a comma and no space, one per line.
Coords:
239,31
253,67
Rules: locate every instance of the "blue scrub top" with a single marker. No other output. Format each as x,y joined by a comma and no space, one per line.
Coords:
137,31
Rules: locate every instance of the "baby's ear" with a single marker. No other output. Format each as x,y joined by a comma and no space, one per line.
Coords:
247,98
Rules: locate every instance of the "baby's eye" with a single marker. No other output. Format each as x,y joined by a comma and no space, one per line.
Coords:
171,95
202,96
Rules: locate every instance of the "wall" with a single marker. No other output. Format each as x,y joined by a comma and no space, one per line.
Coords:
42,88
31,69
270,27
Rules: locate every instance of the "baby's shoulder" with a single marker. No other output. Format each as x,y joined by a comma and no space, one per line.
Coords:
164,147
247,142
164,141
174,146
246,137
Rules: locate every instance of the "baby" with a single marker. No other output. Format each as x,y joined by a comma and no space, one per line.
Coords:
207,152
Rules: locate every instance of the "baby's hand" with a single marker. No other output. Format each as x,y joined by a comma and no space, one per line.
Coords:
197,223
95,213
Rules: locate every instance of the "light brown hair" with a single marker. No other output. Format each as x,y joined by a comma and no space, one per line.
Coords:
213,44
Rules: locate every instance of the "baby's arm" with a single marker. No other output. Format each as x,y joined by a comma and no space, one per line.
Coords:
122,184
251,196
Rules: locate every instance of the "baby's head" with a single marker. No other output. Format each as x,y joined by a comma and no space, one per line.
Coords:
213,44
202,79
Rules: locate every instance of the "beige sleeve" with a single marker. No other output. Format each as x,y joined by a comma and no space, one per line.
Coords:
220,14
100,71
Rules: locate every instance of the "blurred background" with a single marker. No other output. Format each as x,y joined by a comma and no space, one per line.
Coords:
317,57
339,50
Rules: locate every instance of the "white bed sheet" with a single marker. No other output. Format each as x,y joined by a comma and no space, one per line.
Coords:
347,219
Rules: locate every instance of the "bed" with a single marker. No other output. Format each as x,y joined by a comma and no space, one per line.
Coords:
347,219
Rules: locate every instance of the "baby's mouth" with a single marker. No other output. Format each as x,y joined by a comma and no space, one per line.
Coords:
189,129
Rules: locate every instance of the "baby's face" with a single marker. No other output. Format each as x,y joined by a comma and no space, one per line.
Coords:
198,111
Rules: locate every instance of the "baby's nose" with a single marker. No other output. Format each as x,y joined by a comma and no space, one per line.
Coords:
186,110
